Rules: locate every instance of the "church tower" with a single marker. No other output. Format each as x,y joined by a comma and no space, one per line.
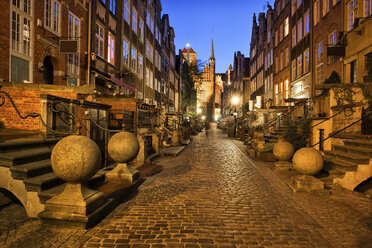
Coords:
212,75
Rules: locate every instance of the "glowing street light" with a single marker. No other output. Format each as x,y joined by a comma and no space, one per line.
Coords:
235,100
199,110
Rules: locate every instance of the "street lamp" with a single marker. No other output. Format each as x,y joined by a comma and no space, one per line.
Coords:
235,100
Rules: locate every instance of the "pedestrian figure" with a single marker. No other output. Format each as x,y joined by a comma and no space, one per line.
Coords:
206,127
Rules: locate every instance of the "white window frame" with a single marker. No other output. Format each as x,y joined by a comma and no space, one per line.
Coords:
140,64
125,53
22,46
53,25
73,60
286,26
319,63
134,20
126,13
133,59
140,29
111,48
100,40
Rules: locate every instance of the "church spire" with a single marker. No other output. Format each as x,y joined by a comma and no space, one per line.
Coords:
212,52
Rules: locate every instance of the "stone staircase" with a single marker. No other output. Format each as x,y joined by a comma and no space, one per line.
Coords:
348,164
275,136
25,171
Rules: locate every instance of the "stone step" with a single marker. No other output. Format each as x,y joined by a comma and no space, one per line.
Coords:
353,149
359,143
94,182
358,159
18,145
14,158
42,182
353,136
340,164
31,169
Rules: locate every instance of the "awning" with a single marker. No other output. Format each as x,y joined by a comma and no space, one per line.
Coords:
122,84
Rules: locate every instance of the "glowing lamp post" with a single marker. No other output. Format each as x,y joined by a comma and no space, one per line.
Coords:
235,101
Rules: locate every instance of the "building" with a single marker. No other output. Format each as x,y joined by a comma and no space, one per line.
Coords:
301,50
206,93
119,53
282,43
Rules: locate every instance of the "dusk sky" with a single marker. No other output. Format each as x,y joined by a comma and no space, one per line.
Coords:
231,21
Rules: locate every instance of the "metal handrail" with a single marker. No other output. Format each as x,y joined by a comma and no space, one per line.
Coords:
328,118
339,131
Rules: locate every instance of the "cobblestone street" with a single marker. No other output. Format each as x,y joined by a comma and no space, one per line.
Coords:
213,195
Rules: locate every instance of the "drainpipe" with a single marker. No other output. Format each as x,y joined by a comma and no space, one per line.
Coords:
89,41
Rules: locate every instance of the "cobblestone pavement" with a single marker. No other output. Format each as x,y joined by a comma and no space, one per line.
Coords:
213,195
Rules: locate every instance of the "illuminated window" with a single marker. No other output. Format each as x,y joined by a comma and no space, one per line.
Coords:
111,49
286,26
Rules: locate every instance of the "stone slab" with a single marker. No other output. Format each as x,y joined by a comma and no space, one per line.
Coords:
283,166
172,151
304,183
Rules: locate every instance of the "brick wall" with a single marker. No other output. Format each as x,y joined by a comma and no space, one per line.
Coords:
4,40
27,101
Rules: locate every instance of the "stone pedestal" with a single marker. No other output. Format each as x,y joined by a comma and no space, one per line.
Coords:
306,183
123,173
283,166
76,206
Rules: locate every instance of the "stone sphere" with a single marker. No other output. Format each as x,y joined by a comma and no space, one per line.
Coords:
75,158
308,161
123,147
283,150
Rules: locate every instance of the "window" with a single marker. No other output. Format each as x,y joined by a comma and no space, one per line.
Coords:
111,49
276,38
140,64
112,5
147,76
156,33
300,33
281,60
353,72
151,79
277,68
134,21
294,6
149,51
299,66
126,11
319,63
286,26
294,70
276,94
73,59
133,63
140,29
316,12
287,57
307,23
294,36
299,3
367,7
268,36
281,32
306,61
149,21
286,89
125,52
332,39
53,15
352,12
21,36
99,41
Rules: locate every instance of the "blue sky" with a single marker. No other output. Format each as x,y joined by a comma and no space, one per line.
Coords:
231,21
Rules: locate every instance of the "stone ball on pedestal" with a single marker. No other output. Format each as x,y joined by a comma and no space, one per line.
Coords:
308,161
75,158
283,150
123,147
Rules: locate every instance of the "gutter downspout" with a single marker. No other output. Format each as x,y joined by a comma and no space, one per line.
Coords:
89,41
